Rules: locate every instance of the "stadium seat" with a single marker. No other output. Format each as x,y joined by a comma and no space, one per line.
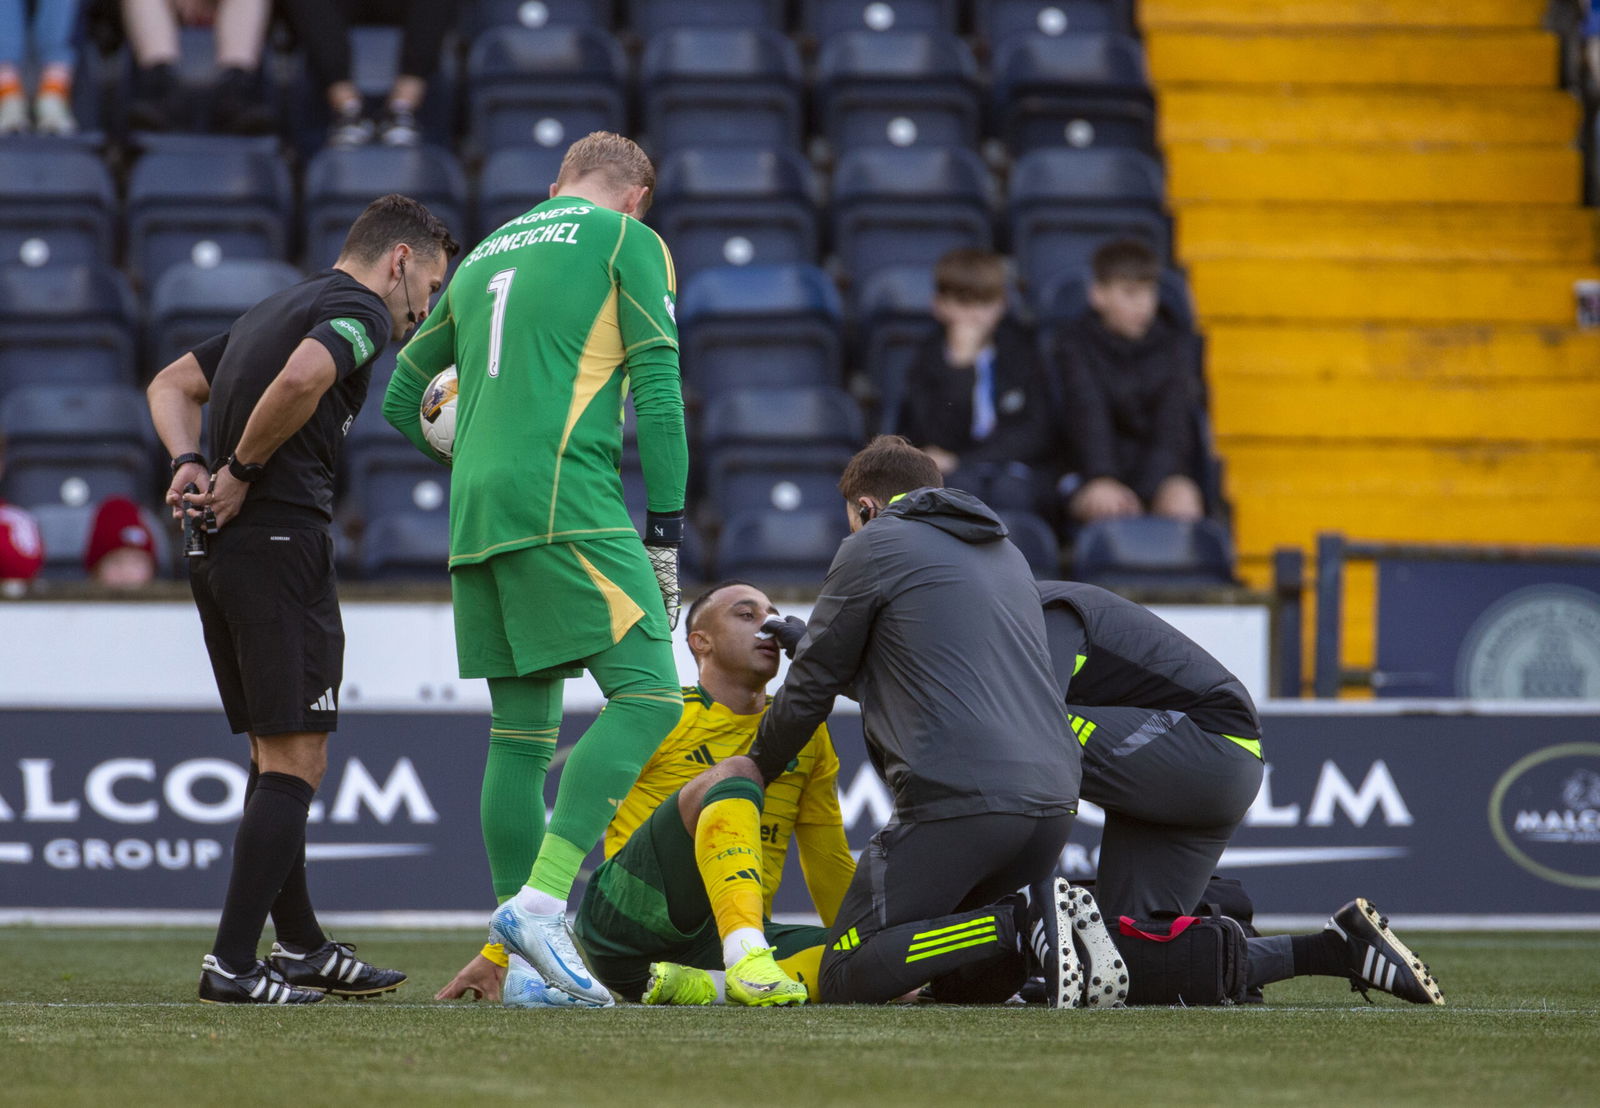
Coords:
547,87
893,318
190,304
483,15
1074,90
1066,297
735,206
647,17
720,86
406,546
903,88
746,479
76,444
1153,551
66,324
513,181
777,548
1037,541
909,206
822,18
998,20
217,201
759,325
384,473
340,183
64,533
1066,203
57,204
795,420
374,65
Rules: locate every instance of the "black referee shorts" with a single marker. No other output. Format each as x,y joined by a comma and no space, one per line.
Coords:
269,604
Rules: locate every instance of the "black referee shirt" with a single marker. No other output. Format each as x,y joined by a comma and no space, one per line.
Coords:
351,321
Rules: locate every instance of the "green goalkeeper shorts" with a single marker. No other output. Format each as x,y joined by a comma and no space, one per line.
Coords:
541,610
647,904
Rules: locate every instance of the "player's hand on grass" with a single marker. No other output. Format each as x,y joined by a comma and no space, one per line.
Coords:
786,631
479,979
663,531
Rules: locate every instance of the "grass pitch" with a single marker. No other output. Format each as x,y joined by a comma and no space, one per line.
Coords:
101,1016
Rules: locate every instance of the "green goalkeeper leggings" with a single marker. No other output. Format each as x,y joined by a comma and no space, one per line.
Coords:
643,703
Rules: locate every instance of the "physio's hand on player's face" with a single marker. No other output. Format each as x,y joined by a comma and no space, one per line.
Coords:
479,979
787,631
189,473
226,497
664,560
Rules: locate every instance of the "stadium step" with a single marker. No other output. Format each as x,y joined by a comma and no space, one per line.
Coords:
1229,113
1374,174
1342,13
1392,232
1465,292
1458,353
1384,57
1419,410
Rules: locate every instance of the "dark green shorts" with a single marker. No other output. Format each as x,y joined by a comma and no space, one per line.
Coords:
647,904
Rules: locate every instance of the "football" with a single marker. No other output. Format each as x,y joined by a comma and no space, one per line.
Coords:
439,413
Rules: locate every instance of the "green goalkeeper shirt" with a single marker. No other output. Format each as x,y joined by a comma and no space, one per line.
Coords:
550,321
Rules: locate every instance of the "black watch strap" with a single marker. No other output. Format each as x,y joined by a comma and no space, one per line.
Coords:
184,459
245,471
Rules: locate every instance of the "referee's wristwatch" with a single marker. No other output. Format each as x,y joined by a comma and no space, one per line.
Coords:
245,471
184,459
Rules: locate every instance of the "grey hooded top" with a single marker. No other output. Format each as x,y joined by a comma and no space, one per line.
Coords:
931,619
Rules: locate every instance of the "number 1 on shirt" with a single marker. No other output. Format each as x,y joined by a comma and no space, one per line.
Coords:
500,289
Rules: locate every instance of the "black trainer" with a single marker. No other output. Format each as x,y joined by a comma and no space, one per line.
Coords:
333,968
1377,958
262,985
1049,938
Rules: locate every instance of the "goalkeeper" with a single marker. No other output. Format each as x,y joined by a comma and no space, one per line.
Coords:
550,321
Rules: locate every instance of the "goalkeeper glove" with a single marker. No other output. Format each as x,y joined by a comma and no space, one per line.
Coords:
663,531
786,630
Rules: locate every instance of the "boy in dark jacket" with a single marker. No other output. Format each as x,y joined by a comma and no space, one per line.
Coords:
1128,381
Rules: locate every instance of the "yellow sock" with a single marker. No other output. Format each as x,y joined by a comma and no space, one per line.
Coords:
805,966
727,848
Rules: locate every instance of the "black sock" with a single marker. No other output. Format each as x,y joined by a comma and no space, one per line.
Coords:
271,837
293,918
1322,954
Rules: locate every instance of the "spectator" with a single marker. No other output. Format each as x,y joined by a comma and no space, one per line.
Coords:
240,28
122,549
975,399
53,38
323,27
21,551
1128,380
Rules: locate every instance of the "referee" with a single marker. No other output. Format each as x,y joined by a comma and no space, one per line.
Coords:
283,383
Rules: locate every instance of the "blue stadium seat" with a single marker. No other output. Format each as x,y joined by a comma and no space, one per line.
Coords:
1037,541
1149,551
794,420
479,16
190,304
903,88
821,18
374,65
76,444
384,473
547,87
998,20
513,181
57,204
64,533
747,479
1067,296
340,183
759,325
776,548
215,202
734,206
66,324
406,546
720,86
647,17
894,206
893,318
1072,90
1066,203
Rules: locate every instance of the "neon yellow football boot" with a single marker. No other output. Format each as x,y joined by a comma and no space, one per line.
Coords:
671,983
757,981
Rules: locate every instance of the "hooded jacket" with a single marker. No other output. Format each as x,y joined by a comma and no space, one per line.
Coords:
933,619
1131,657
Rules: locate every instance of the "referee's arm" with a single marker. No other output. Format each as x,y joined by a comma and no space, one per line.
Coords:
176,397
